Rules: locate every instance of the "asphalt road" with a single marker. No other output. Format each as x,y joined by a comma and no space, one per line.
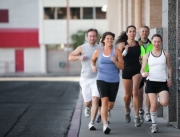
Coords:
36,108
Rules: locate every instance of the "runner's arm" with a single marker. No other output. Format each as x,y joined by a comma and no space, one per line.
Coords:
119,62
75,55
144,61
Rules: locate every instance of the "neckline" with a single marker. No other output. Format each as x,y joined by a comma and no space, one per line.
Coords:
156,56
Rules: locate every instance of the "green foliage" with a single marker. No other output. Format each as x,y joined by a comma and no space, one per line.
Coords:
79,38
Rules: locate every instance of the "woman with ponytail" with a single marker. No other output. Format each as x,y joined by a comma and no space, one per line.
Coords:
131,73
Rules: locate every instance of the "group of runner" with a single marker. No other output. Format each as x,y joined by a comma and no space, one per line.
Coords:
144,65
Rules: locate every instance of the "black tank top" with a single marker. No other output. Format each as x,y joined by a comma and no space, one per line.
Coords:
131,60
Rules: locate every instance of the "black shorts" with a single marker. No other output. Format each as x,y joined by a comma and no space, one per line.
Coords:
130,74
142,82
100,104
155,86
107,89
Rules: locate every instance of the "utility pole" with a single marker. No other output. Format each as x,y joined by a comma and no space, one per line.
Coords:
68,46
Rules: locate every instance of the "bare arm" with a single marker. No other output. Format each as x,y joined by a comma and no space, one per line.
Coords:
121,46
119,62
76,54
125,47
94,59
169,68
144,61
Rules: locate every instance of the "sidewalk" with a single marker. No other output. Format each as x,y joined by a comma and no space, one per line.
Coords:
119,128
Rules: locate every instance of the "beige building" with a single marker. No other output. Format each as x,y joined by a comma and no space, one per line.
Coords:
121,13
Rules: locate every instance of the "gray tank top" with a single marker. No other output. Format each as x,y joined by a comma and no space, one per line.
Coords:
86,71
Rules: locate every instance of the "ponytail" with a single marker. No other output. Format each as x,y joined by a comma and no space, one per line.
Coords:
122,38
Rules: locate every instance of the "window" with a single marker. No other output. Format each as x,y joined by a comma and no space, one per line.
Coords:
61,13
74,13
4,16
49,13
87,13
100,14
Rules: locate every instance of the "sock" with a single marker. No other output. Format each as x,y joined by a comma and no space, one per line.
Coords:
154,118
147,111
136,116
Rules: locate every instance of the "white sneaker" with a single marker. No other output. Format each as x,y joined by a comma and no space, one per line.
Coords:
141,115
148,117
154,129
87,111
106,129
137,122
91,126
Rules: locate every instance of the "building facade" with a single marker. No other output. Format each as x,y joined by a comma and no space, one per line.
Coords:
19,29
133,12
36,34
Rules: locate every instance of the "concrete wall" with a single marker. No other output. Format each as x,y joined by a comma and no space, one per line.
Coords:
7,60
32,61
22,13
88,3
155,14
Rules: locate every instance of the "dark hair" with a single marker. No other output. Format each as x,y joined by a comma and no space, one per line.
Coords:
105,34
91,29
157,35
123,37
145,27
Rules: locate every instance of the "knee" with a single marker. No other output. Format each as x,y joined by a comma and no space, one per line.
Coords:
164,103
104,101
95,100
111,106
127,96
135,94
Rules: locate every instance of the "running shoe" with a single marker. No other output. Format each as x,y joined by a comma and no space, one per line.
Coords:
148,117
98,119
91,126
106,129
141,115
128,117
87,111
154,128
137,122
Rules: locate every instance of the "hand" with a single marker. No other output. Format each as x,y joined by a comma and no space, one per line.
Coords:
145,74
127,47
169,82
82,57
94,69
113,59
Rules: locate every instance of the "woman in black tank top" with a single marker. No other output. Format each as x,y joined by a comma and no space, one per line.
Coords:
131,74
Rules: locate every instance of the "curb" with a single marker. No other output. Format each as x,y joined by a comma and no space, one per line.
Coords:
76,119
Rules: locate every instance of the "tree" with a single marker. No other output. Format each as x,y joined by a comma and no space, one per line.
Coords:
78,38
